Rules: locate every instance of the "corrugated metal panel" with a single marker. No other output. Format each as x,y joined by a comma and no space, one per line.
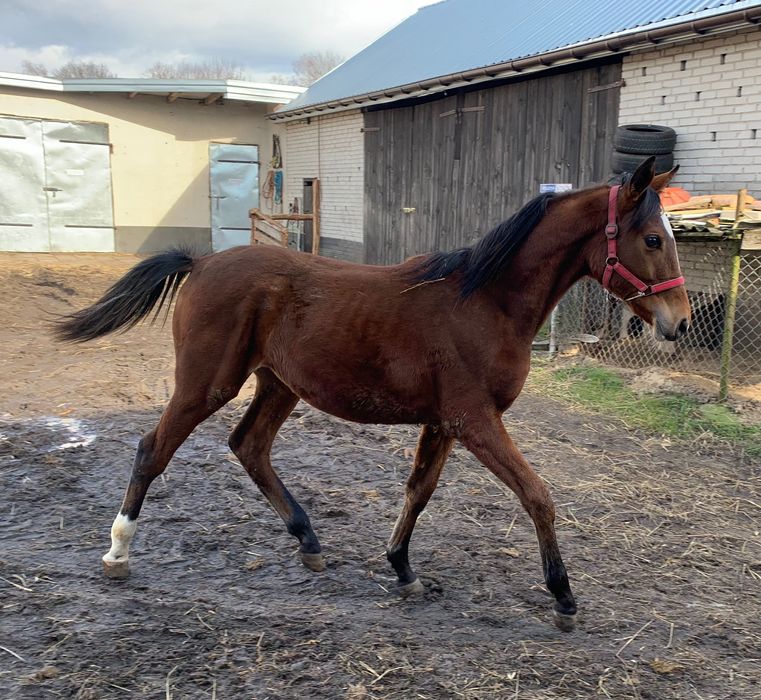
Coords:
23,205
55,186
459,35
78,170
234,173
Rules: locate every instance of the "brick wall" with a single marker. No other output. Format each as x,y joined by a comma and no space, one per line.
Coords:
708,91
706,265
331,148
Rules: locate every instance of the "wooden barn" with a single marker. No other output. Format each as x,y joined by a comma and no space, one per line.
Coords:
449,122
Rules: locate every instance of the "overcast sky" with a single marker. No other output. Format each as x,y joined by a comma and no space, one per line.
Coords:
130,35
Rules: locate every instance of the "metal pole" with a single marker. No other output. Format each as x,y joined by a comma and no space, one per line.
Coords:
729,324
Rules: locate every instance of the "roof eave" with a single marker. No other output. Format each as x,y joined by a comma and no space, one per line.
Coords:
237,90
634,40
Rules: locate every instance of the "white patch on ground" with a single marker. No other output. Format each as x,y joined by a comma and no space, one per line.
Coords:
78,437
122,532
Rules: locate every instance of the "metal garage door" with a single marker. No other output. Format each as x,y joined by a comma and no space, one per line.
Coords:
55,186
234,188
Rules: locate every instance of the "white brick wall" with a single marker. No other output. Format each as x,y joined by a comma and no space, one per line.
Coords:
706,265
668,95
331,148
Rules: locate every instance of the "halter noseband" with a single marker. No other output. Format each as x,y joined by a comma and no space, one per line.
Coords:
613,265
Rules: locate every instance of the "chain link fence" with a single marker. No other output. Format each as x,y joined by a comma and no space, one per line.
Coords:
625,341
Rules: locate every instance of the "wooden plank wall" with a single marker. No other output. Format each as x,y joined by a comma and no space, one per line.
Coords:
466,162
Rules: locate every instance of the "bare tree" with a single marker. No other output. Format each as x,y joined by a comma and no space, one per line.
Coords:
83,69
72,69
280,79
31,68
309,67
212,69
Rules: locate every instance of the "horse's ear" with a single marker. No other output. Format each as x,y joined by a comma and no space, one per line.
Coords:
641,179
660,182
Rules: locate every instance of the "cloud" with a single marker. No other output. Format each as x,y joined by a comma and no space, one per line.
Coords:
130,36
124,63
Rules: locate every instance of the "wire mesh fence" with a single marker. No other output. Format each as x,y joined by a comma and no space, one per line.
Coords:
625,341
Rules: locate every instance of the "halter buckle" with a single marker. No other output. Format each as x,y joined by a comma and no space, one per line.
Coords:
611,230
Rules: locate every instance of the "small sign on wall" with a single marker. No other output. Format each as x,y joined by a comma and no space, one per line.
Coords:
555,187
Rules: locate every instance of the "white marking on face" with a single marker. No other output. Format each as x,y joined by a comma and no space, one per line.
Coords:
667,225
122,532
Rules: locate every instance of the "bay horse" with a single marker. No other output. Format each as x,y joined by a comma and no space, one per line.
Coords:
441,340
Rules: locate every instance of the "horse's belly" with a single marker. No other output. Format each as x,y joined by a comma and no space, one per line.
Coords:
360,403
367,408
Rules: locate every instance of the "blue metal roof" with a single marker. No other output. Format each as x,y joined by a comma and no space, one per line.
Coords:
459,35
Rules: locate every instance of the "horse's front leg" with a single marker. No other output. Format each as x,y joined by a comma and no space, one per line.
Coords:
432,450
487,439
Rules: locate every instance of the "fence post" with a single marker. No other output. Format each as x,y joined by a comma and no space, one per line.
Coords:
729,323
553,348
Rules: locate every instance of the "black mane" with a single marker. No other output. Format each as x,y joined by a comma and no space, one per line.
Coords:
484,261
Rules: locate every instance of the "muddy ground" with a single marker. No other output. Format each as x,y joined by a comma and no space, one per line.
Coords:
661,540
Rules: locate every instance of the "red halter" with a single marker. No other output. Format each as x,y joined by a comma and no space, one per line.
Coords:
613,265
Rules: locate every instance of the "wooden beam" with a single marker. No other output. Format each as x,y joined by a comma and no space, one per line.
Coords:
172,96
212,98
291,217
131,95
751,240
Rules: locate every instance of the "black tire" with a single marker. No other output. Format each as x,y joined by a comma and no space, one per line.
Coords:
628,162
644,139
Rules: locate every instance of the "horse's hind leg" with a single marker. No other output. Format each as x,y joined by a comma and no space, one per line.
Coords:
201,389
251,441
432,451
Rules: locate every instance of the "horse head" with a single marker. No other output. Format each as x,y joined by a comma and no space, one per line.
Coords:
641,265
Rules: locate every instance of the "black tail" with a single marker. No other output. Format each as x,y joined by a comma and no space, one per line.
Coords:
149,284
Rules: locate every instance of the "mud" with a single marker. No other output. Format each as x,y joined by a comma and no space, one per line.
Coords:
661,540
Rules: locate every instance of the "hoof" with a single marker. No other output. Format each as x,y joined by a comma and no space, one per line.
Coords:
564,622
409,589
315,562
116,569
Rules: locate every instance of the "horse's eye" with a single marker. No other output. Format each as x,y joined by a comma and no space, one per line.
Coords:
653,241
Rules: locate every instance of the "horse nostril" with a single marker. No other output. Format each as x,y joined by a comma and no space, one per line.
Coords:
684,325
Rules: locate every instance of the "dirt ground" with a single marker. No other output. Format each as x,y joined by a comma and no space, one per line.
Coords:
661,540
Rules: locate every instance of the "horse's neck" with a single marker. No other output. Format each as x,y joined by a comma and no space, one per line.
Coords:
553,258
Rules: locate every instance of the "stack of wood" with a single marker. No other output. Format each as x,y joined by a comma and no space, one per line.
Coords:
713,215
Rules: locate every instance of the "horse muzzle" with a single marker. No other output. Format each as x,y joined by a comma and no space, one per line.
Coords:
670,331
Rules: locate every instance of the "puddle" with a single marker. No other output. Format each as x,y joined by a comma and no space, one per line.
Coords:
75,430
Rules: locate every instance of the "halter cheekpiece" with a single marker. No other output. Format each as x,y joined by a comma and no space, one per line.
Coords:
612,263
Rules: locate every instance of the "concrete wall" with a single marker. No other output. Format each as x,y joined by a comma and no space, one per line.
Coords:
160,156
331,148
707,90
